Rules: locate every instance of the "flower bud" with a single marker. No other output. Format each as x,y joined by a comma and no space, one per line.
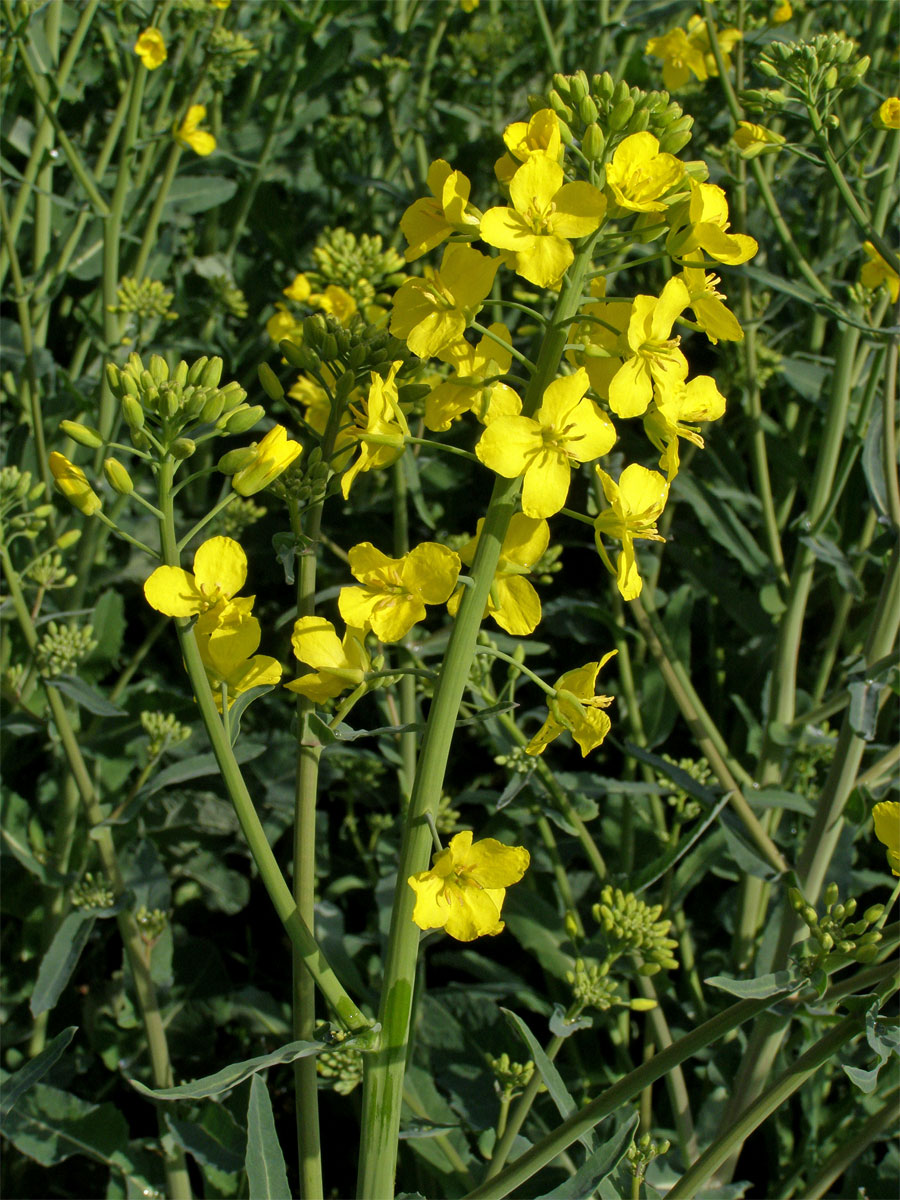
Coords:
830,78
603,85
195,370
117,477
181,373
73,483
211,374
183,447
593,143
588,110
233,395
639,1004
114,380
159,368
133,413
84,435
235,460
873,914
795,897
766,68
68,539
213,407
244,418
831,895
300,356
578,87
270,382
621,114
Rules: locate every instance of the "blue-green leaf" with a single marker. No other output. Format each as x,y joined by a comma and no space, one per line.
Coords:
229,1077
782,982
60,960
76,689
596,1167
266,1174
34,1070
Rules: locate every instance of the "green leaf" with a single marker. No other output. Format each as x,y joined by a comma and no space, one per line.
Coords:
24,1079
50,1125
559,1093
539,928
229,1077
596,1167
865,696
216,1141
108,621
198,193
240,706
677,774
197,766
266,1174
76,689
723,525
830,553
873,463
781,983
14,819
61,960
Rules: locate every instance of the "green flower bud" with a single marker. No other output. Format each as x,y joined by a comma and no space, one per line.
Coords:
244,418
114,380
766,68
212,373
838,913
270,382
831,895
620,92
872,938
873,914
578,87
621,114
183,447
84,435
830,78
588,110
330,350
117,477
235,460
810,916
639,1004
195,370
181,374
212,409
302,357
232,395
159,368
593,143
826,941
603,85
866,954
133,413
640,121
796,900
859,69
68,539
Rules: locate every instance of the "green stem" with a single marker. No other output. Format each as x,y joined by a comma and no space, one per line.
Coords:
784,1087
838,1162
385,1068
517,1118
547,33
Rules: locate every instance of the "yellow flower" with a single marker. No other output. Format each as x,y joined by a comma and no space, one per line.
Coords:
604,338
714,318
567,426
339,665
471,390
431,220
190,135
752,139
540,135
271,457
151,49
464,891
654,359
636,503
698,400
336,302
228,654
431,314
469,6
545,213
877,272
698,35
381,428
220,570
887,829
299,289
889,113
73,483
701,223
577,709
396,590
317,411
513,602
283,324
220,3
681,58
639,175
781,13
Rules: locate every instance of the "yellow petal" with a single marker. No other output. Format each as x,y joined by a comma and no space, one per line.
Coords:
508,444
546,483
515,605
172,591
220,567
579,210
430,572
316,643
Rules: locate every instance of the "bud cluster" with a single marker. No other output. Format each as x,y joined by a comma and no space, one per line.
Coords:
91,892
640,1154
599,113
827,63
835,932
363,267
510,1078
144,299
447,817
342,1067
349,352
48,571
632,927
227,295
18,492
686,807
306,484
240,514
188,397
516,761
151,922
164,731
594,987
229,52
62,648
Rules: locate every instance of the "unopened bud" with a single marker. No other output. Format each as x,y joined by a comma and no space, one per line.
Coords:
133,413
211,373
84,435
159,368
621,114
245,418
873,914
213,407
183,447
593,143
830,78
117,477
831,895
270,382
68,539
639,1004
235,460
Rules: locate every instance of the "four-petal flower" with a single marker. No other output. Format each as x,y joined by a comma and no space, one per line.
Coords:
396,590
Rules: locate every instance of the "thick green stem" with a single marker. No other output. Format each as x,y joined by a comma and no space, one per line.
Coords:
385,1068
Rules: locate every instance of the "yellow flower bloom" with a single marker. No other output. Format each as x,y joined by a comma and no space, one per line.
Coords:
604,338
317,410
271,457
681,56
73,483
513,602
380,418
431,314
431,220
151,48
877,272
228,654
654,360
639,175
464,891
698,35
781,13
636,503
469,6
220,571
545,213
701,223
698,400
338,665
396,590
335,301
567,426
540,135
714,318
190,135
887,829
889,113
581,712
752,139
299,289
470,391
283,324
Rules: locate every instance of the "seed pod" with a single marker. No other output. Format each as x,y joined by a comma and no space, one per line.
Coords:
270,382
84,435
117,477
